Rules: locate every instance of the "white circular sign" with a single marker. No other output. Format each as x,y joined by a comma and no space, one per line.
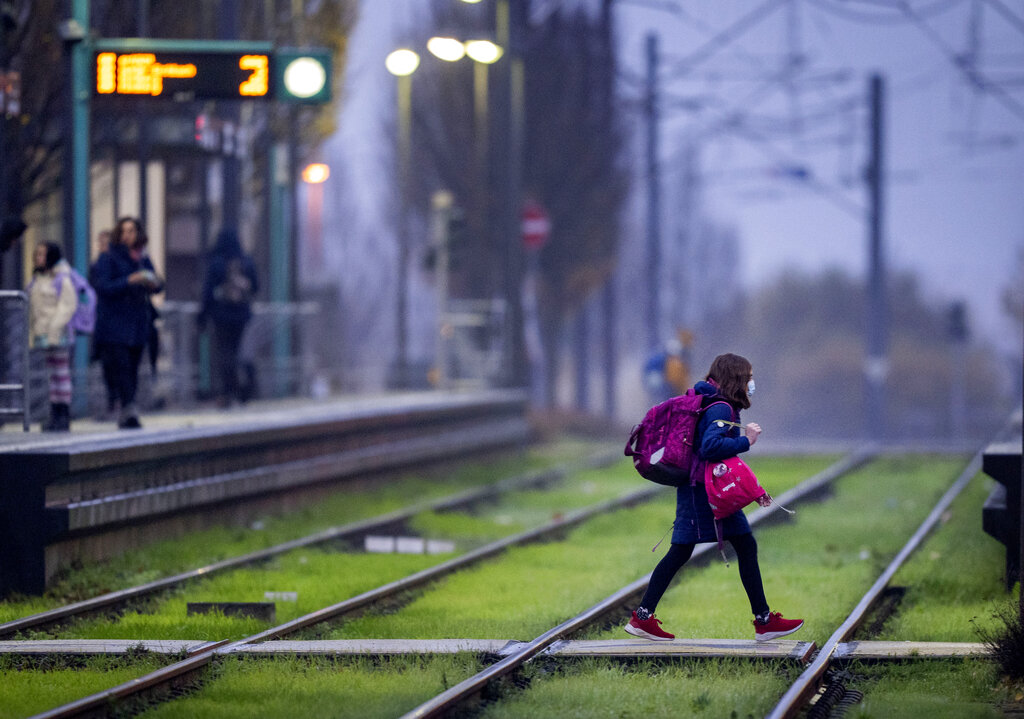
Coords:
304,77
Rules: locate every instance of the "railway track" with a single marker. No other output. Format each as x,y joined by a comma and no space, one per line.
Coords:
118,601
161,682
796,697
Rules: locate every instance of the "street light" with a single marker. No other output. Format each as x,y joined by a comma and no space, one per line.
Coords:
448,49
315,175
402,63
484,51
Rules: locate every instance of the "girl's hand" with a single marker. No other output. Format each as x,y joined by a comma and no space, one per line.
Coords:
752,431
764,500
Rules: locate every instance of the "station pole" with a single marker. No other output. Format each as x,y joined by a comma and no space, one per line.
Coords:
653,195
75,226
876,361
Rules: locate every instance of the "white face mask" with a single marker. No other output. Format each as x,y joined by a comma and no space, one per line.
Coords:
750,387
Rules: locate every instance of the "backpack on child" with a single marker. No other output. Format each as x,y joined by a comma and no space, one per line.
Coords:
662,445
83,321
237,287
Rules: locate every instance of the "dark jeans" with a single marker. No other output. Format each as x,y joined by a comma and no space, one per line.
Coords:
224,359
679,554
120,371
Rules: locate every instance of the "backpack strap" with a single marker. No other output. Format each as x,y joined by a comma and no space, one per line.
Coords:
697,468
732,410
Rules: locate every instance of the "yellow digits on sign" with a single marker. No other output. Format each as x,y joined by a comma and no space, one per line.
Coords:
256,84
106,72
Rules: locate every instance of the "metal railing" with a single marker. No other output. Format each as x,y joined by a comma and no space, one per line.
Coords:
15,368
278,357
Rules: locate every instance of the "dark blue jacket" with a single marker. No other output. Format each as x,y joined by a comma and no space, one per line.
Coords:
718,442
124,314
694,521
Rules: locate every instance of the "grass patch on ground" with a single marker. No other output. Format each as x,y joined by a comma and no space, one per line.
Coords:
29,692
604,690
955,579
319,688
532,588
942,689
355,502
321,578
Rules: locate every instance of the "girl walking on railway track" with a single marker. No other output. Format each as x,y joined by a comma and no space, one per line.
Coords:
726,390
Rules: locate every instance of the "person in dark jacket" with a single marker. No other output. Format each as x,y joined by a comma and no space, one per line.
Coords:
726,390
228,291
124,279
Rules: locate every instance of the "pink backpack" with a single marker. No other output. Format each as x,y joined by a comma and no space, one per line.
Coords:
662,444
731,486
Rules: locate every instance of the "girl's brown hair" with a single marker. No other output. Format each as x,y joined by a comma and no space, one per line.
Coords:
730,373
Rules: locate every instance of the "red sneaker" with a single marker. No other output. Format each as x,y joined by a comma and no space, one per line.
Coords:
648,629
775,627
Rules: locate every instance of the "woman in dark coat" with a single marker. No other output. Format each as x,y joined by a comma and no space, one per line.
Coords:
124,280
726,390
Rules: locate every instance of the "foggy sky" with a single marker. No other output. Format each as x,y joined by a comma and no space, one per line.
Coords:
954,153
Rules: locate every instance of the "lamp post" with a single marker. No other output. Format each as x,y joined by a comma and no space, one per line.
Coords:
402,63
315,175
483,53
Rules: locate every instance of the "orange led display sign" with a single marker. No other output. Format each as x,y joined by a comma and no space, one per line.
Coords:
183,75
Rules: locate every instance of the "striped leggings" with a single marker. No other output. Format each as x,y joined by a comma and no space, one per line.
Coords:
58,364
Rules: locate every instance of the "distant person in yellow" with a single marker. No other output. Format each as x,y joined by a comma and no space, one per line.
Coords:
667,372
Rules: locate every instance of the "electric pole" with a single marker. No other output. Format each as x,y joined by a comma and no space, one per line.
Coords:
876,366
653,195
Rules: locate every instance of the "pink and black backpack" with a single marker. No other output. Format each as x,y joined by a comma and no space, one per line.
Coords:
662,445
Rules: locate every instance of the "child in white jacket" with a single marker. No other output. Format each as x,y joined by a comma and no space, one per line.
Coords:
52,302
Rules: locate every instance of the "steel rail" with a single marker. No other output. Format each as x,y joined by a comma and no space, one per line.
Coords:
806,684
449,699
111,600
103,702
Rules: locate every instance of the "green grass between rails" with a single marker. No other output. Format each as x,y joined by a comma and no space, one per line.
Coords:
955,580
138,566
535,587
825,559
321,578
603,690
27,692
319,688
944,689
586,488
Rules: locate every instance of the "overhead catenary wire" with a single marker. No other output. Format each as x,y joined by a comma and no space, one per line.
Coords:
973,75
1000,7
842,10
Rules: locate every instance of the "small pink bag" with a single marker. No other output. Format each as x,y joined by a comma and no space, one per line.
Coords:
731,486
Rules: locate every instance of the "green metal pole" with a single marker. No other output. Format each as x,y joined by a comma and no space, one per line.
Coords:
77,225
280,268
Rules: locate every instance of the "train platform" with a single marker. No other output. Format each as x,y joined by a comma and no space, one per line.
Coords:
82,494
208,415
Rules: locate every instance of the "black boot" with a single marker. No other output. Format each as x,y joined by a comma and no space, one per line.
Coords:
60,418
51,425
63,417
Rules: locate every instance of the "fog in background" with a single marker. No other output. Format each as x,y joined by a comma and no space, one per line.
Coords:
763,134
